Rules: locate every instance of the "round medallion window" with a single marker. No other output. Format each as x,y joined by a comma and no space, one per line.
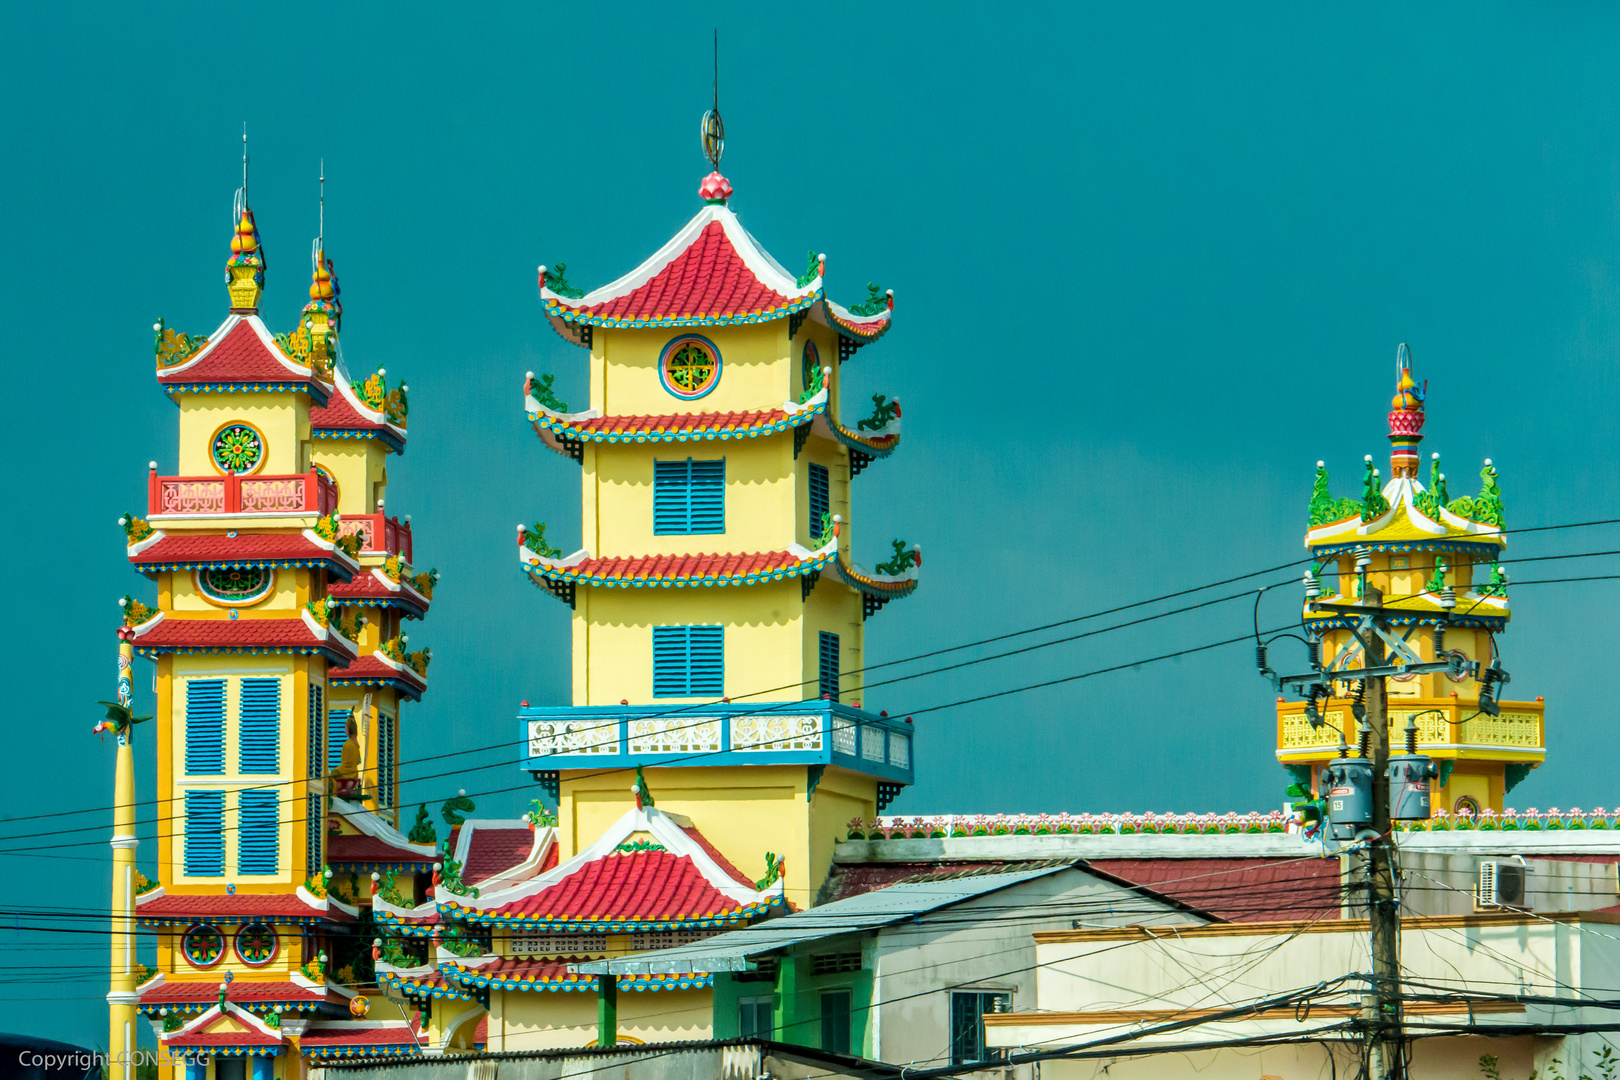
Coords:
203,945
238,448
235,584
689,366
256,944
1468,805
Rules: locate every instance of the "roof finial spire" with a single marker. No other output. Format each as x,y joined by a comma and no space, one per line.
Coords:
712,132
1405,417
244,272
323,315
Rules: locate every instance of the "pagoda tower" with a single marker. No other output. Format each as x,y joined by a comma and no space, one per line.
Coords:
1435,558
718,618
281,668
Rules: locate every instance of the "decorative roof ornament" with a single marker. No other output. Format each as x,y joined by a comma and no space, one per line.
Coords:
244,271
1405,417
715,188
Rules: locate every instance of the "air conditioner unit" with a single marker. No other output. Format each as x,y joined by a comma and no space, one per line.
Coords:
1501,884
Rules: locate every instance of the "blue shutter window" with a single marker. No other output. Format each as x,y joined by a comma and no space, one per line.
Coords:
313,861
317,730
336,736
819,504
689,661
385,760
829,665
258,832
205,833
258,726
205,726
689,497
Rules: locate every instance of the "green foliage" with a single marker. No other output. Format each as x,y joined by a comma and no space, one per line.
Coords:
423,831
534,538
559,284
874,303
882,412
812,267
904,559
1324,507
1486,507
539,388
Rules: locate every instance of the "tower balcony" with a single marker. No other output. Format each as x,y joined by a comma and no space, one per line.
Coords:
230,495
814,732
1447,727
379,534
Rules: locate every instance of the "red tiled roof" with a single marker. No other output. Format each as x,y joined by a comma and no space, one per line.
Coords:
659,567
370,667
359,848
248,547
648,886
708,278
1239,890
180,633
223,1038
552,859
516,969
179,993
481,1035
365,586
714,853
240,357
237,905
339,414
715,421
372,1036
494,850
856,879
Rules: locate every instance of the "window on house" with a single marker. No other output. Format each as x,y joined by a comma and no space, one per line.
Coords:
337,734
967,1024
834,963
315,822
205,833
755,1018
317,729
835,1010
385,760
819,504
258,726
688,661
258,832
689,497
205,726
829,665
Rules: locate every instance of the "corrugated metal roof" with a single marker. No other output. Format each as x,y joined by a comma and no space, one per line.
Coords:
731,952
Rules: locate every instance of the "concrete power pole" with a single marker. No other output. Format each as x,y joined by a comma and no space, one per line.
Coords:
1382,1008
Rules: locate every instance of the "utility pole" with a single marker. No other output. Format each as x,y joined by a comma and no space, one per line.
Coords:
1381,1009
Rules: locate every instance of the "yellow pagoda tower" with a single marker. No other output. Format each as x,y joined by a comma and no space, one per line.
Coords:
1435,559
281,668
718,619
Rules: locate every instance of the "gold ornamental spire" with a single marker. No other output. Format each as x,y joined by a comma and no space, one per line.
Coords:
244,271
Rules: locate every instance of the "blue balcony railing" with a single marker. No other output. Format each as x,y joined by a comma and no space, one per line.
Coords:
765,733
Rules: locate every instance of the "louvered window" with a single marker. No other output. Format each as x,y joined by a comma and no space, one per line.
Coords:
337,734
689,661
205,833
258,726
317,729
829,665
205,726
258,832
385,760
689,496
819,499
317,834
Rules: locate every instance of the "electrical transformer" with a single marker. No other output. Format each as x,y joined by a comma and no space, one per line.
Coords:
1349,791
1409,793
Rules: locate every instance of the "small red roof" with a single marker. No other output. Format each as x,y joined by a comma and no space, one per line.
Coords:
360,848
241,991
367,1036
187,550
243,356
235,906
181,633
706,279
641,886
745,569
366,586
343,412
490,851
374,668
223,1038
1239,890
714,421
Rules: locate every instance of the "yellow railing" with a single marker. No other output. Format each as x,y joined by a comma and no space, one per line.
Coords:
1442,723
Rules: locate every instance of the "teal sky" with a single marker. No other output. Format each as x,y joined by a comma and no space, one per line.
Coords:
1150,264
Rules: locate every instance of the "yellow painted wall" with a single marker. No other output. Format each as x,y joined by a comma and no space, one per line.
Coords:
760,497
282,598
282,419
360,468
544,1020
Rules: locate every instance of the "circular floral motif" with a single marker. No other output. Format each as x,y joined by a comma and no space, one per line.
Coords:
256,944
235,584
238,448
204,945
690,366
